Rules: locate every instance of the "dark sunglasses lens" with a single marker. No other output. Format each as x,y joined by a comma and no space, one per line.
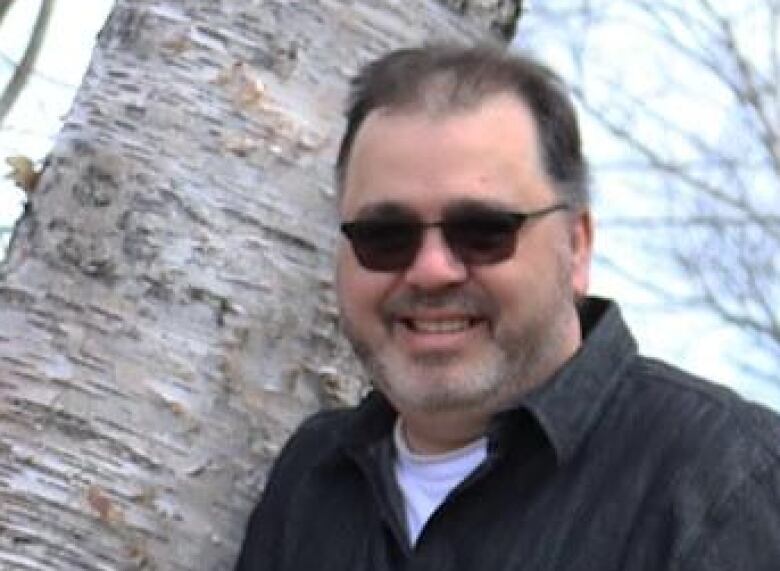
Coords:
384,246
482,238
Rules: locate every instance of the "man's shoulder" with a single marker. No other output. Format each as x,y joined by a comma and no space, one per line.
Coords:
705,455
702,402
708,425
329,431
323,431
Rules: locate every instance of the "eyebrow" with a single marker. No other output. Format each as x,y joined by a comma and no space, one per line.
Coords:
383,210
390,209
472,204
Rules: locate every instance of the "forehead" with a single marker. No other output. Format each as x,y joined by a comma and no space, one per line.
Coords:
485,152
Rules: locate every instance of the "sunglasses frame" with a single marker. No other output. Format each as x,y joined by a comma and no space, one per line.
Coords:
466,253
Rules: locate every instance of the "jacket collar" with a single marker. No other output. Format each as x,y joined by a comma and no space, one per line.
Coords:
568,405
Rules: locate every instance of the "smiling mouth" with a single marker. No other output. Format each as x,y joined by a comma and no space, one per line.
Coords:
440,326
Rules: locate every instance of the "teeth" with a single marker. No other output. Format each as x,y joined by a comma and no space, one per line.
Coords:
441,325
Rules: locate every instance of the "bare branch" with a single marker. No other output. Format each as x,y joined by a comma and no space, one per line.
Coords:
646,284
4,9
749,95
673,170
664,165
774,49
751,371
26,65
709,221
747,85
47,78
757,294
720,221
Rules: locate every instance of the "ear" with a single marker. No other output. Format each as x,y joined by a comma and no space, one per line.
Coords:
582,248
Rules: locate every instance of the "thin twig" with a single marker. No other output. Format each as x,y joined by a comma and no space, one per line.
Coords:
712,221
26,65
4,9
47,78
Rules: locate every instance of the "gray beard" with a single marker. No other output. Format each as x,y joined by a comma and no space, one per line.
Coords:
522,359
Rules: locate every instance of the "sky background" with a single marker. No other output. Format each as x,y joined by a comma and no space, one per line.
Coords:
691,339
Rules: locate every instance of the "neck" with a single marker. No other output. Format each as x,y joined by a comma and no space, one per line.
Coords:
438,433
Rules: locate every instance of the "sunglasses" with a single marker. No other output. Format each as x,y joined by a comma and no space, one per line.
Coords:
476,235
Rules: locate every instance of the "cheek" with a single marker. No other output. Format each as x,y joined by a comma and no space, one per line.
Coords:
359,291
522,287
345,282
504,290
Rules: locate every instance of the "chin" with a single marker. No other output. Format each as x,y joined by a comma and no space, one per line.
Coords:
434,383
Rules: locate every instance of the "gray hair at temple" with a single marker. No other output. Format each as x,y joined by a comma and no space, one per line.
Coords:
445,78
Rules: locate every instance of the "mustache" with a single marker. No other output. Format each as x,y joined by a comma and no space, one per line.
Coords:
459,300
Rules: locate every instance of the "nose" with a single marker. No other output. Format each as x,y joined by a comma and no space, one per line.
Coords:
435,265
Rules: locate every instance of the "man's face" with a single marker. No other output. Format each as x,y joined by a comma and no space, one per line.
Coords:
442,335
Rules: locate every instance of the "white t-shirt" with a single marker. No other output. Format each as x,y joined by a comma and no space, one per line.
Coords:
426,480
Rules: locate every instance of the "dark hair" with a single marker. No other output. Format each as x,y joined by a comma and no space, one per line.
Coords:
442,78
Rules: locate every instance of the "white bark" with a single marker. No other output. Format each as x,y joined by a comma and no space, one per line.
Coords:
166,316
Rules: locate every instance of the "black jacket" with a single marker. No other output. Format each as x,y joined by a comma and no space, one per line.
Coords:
618,463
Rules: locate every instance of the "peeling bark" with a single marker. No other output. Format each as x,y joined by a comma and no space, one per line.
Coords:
166,315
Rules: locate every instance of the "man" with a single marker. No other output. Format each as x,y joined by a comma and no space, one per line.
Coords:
513,425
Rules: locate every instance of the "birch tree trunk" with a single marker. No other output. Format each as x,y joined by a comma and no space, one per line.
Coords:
166,315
